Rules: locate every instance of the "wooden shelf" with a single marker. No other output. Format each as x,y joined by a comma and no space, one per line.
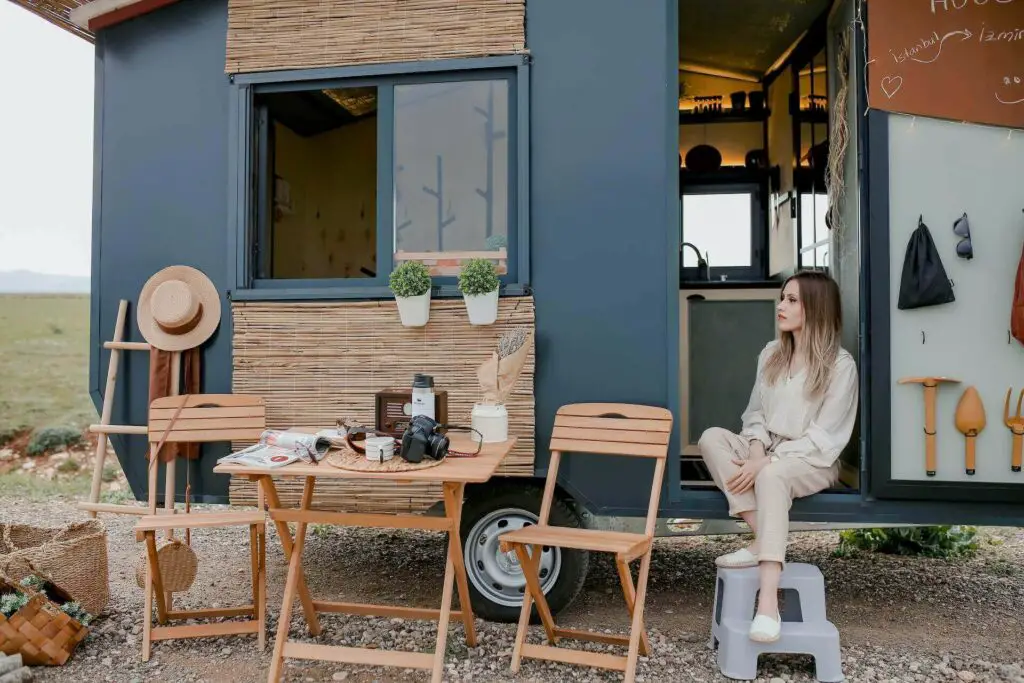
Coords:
725,174
727,116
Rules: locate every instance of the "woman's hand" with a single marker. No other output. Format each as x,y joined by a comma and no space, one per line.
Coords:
743,481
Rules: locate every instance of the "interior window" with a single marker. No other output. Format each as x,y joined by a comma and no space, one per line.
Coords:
814,234
720,226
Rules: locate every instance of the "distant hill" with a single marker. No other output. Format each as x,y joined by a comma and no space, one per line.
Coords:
29,282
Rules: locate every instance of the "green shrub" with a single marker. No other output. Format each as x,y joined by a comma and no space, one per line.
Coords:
110,473
478,276
69,466
8,435
52,439
410,278
927,541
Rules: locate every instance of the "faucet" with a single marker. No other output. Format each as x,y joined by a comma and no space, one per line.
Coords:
703,266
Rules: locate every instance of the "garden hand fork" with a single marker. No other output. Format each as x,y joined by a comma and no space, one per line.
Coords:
1016,425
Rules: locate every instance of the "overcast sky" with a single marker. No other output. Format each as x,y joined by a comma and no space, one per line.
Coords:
46,131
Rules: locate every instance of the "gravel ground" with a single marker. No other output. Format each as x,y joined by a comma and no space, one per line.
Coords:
900,619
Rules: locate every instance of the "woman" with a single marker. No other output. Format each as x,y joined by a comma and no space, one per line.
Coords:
800,417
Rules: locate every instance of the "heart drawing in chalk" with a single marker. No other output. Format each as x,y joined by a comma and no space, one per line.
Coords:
891,85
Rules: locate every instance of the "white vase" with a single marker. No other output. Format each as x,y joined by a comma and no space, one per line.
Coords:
414,310
482,308
491,421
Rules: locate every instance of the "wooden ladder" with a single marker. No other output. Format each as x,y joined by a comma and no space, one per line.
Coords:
104,428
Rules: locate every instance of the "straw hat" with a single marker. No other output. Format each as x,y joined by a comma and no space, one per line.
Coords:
178,309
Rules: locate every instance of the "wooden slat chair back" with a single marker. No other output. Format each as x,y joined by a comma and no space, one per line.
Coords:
609,429
202,418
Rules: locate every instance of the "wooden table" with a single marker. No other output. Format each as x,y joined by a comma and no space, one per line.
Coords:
453,474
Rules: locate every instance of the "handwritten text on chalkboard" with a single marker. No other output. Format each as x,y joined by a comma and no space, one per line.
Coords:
953,59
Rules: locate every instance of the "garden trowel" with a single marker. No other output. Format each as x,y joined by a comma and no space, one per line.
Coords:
970,420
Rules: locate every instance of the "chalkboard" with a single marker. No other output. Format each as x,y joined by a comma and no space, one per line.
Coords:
951,59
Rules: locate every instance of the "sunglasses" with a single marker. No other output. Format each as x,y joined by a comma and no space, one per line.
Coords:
962,229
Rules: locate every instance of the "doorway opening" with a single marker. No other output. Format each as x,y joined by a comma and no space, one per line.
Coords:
767,186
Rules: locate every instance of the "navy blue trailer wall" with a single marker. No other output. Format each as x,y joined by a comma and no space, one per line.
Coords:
604,197
160,196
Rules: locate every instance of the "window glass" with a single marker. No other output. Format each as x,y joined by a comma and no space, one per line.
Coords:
813,208
720,226
451,173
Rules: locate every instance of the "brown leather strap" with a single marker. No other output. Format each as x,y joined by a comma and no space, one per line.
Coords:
170,424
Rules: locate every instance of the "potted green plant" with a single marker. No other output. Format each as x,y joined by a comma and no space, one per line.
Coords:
410,282
478,282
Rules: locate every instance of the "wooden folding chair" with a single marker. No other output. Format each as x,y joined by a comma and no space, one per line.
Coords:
610,429
199,418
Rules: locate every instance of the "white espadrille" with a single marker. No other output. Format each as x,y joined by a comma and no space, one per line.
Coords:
764,629
737,559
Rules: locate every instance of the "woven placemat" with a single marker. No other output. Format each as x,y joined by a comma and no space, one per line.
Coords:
347,459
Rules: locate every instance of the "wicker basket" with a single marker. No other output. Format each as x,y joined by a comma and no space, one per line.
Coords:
73,556
178,565
39,631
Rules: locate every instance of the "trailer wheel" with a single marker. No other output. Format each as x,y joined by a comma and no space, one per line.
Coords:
496,582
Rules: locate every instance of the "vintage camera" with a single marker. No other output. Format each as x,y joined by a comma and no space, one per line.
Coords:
423,439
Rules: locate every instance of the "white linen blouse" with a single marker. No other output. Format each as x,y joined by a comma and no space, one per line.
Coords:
791,424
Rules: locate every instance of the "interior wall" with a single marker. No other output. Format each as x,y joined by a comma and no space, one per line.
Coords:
782,227
966,339
329,226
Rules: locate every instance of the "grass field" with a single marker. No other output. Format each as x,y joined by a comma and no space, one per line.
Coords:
44,361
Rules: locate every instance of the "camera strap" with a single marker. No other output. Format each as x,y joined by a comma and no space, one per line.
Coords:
461,428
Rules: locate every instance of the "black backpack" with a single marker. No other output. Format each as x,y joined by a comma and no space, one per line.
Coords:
924,281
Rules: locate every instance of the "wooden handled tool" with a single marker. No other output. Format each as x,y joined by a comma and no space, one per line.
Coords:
930,386
970,420
1016,425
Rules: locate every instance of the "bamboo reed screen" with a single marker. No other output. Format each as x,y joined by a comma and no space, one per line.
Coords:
317,362
267,35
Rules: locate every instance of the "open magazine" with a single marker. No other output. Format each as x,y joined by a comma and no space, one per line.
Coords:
278,448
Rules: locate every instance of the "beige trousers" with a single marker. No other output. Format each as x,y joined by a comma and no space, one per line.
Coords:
776,486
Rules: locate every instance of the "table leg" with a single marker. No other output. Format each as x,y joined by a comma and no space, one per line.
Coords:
442,624
270,493
453,495
292,584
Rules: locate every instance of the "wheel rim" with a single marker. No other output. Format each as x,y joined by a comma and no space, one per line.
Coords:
497,575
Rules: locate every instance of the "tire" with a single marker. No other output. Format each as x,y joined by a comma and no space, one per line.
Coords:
496,582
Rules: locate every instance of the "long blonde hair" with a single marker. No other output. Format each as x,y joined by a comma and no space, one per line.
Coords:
823,325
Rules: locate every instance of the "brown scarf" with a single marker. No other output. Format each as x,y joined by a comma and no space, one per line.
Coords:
160,386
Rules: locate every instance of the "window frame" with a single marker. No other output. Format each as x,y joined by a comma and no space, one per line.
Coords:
758,237
244,184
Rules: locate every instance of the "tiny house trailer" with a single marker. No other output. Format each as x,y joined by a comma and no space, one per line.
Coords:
645,175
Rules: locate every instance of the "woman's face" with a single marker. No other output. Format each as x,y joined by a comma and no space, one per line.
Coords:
790,310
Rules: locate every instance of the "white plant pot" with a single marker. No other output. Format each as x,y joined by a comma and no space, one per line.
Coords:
482,308
491,421
414,310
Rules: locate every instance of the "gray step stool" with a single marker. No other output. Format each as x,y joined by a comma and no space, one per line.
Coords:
805,628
